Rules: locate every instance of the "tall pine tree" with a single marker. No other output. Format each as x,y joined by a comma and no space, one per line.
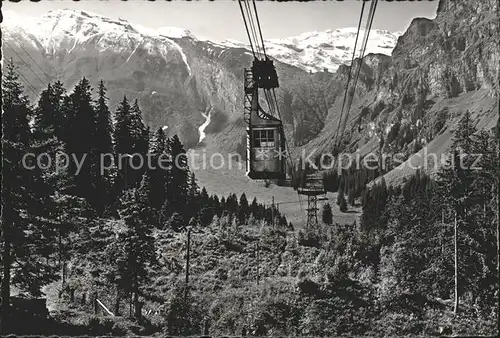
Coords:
26,230
178,184
81,143
103,148
131,137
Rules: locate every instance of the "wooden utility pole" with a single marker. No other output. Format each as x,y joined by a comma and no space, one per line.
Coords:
272,213
62,263
455,256
498,208
187,262
60,256
117,301
95,303
258,262
455,308
130,304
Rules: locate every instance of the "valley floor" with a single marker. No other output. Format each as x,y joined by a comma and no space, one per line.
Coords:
231,178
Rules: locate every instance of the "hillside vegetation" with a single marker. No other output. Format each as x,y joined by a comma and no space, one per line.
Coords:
120,237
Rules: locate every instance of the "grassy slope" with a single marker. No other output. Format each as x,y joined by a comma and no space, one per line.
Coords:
484,111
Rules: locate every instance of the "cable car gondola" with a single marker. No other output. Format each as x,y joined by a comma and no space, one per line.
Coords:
265,137
266,143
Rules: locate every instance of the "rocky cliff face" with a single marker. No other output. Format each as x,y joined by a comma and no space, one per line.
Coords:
439,69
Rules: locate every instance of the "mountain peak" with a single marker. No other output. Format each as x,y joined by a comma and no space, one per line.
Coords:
175,33
319,50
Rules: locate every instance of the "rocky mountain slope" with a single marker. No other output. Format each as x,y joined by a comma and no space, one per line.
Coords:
439,69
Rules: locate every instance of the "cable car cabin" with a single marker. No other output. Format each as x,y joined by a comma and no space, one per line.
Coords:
265,138
266,148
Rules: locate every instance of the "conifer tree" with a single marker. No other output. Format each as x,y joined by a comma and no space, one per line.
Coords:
254,208
49,117
104,126
144,193
216,205
340,195
193,186
243,209
193,196
27,208
123,146
232,204
121,136
207,208
58,102
350,196
80,141
131,138
455,177
160,172
43,119
178,185
134,248
47,129
343,204
138,130
103,132
327,215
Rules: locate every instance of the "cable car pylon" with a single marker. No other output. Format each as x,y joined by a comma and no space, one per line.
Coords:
312,186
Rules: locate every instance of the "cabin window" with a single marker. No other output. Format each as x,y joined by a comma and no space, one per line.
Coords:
263,138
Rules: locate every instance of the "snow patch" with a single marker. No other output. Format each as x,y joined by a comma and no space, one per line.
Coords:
184,57
205,124
135,50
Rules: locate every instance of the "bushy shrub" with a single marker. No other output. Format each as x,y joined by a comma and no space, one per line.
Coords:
309,238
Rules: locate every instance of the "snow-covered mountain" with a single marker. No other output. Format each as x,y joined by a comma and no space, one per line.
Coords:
65,29
317,51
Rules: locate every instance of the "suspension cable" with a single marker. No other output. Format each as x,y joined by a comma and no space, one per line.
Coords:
371,15
270,103
260,31
350,70
246,27
27,65
290,159
252,27
29,84
36,64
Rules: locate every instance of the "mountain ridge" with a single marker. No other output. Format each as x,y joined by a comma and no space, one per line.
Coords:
312,51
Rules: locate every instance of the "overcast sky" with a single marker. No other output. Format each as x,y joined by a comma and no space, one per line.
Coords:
220,20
